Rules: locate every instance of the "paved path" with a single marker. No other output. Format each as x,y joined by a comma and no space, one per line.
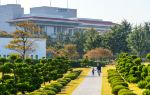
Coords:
90,86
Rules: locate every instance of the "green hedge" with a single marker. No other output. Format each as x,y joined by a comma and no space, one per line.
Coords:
119,86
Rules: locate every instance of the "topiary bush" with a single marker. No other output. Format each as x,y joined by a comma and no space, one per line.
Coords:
142,84
57,85
119,83
146,92
125,92
50,92
148,86
133,79
137,61
147,78
116,89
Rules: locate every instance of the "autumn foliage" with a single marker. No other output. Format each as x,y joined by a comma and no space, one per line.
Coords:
98,53
22,38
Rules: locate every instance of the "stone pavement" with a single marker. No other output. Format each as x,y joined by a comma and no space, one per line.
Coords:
91,85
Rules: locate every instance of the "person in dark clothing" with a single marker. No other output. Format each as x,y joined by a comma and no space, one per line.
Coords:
99,69
93,70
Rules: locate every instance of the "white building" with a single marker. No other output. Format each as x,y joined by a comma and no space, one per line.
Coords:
52,20
38,53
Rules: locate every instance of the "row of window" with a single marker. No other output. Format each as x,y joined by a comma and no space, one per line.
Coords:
31,56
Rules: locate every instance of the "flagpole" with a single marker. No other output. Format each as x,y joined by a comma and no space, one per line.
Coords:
50,3
67,3
16,2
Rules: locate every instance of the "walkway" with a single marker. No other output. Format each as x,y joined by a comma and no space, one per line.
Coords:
90,86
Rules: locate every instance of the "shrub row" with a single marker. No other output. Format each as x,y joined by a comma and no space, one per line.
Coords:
119,86
56,87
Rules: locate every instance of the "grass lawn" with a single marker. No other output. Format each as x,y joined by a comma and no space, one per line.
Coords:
74,83
106,89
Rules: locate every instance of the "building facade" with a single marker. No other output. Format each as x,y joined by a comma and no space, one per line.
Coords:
39,46
51,20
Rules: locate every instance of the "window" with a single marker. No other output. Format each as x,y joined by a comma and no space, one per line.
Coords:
36,56
62,10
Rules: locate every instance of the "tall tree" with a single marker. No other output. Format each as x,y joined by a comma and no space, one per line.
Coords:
79,40
22,38
115,40
139,40
92,39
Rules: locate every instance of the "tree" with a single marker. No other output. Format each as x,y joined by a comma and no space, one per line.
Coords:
2,62
139,40
115,39
22,38
71,51
91,39
79,40
98,54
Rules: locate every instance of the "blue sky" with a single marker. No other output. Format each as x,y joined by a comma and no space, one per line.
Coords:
135,11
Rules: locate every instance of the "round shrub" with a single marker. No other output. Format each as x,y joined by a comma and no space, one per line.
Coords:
133,79
67,79
50,92
148,56
28,60
50,88
63,83
37,93
148,86
119,83
148,78
19,60
116,89
137,61
71,75
142,84
59,75
143,75
146,92
125,92
57,85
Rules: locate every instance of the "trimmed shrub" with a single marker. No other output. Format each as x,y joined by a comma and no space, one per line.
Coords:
142,84
116,89
137,61
125,92
148,86
119,83
56,85
148,78
67,79
50,88
148,56
50,92
63,83
146,92
133,79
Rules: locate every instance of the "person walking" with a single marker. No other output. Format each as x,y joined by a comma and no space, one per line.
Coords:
99,69
93,70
